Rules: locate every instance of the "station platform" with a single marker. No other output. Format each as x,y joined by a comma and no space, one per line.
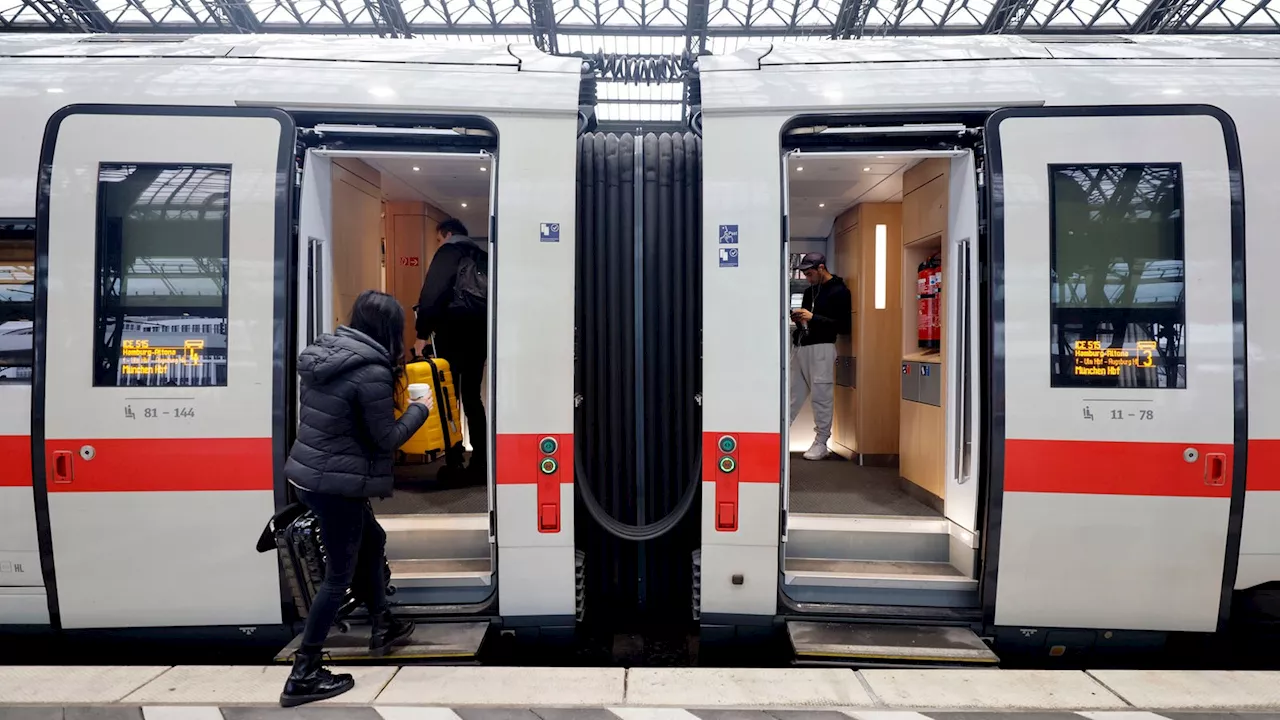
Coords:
522,693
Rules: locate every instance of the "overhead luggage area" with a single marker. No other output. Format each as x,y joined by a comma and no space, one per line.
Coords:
638,370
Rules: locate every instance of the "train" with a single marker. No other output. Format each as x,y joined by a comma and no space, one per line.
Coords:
1064,445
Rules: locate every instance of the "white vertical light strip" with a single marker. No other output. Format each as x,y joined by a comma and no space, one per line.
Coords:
882,236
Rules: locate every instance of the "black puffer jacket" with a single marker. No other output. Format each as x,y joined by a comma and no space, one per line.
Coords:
348,432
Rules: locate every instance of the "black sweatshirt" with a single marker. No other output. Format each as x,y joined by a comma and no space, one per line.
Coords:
437,291
832,306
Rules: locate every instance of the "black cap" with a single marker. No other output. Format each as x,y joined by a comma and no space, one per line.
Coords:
812,260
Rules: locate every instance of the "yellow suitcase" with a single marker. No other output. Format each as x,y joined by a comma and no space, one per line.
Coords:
443,429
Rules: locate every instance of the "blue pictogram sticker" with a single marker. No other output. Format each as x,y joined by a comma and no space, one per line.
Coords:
924,369
549,232
728,257
728,234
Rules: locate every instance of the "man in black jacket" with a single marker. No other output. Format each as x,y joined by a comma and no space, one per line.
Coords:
826,311
454,306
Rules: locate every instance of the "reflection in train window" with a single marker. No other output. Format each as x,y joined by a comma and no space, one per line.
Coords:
17,299
161,303
1118,306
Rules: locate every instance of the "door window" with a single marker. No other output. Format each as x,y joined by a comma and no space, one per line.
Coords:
17,300
162,256
1118,306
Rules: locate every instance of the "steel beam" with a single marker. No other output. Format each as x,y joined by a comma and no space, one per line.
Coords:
1006,15
851,19
542,22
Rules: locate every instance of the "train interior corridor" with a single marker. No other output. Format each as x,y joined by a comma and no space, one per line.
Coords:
369,221
872,523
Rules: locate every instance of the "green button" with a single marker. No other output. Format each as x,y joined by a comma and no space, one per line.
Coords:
548,466
549,445
727,464
728,444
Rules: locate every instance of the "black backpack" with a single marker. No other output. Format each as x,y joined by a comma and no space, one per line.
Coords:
471,284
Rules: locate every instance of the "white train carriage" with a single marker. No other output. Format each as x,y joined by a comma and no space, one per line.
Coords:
1079,450
180,216
1053,449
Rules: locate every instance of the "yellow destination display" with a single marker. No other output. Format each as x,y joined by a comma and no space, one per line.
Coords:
1091,358
142,358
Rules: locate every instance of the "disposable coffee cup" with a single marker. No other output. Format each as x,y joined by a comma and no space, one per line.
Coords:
419,391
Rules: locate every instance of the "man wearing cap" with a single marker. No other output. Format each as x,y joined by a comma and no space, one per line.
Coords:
825,312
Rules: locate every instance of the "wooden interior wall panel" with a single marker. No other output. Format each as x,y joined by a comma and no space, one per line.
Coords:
411,245
357,233
879,332
920,460
922,437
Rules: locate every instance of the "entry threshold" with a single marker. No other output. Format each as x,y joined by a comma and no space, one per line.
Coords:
855,644
454,642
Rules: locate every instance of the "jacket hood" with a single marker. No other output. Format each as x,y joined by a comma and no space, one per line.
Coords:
332,356
480,245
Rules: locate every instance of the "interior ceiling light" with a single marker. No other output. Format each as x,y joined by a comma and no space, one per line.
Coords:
866,169
464,204
484,169
800,169
822,204
416,168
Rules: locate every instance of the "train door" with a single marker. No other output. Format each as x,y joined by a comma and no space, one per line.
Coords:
880,495
159,388
367,219
22,594
1118,393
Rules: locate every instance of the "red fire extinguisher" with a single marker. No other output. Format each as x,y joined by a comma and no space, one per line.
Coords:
935,292
924,319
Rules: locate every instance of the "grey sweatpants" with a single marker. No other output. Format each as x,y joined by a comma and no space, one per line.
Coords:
813,371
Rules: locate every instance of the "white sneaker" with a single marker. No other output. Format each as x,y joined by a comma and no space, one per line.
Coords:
819,451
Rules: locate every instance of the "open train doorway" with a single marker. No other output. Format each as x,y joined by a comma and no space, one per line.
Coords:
376,220
880,484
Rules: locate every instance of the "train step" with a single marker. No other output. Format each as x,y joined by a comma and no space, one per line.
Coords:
452,642
861,645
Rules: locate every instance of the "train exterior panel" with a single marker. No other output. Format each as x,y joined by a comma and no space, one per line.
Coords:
137,506
1086,525
147,499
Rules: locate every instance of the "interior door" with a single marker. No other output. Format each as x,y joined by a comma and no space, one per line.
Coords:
160,373
315,235
1118,365
962,312
492,319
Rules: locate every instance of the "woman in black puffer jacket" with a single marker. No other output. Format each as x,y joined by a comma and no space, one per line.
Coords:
344,455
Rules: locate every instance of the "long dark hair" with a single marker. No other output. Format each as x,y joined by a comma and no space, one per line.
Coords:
380,316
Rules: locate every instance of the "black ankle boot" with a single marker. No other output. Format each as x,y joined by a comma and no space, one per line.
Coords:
309,682
388,631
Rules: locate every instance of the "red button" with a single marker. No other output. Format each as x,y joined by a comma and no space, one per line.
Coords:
549,518
727,516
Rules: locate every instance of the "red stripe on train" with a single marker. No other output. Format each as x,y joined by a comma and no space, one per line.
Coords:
1264,465
518,458
1117,468
15,461
152,465
758,456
